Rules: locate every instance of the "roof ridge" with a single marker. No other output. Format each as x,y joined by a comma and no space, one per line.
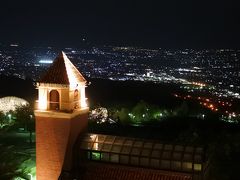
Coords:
62,71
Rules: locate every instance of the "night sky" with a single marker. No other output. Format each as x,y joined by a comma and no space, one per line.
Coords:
166,24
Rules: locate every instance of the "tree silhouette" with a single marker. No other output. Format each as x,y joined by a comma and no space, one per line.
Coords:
24,116
2,118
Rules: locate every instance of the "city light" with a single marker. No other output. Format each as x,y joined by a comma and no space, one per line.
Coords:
45,61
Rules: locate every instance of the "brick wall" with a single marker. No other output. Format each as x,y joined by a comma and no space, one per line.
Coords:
54,141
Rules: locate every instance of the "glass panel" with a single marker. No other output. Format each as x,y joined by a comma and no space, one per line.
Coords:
109,139
128,142
187,157
106,147
179,148
97,146
156,153
87,138
105,156
119,140
177,156
93,137
165,164
134,160
136,151
189,149
144,161
86,145
168,147
138,144
154,163
187,166
197,167
158,146
197,158
116,148
166,155
124,159
146,152
114,158
126,150
148,145
96,156
100,138
176,165
199,150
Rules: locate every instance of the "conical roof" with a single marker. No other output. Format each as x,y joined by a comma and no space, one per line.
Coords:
62,71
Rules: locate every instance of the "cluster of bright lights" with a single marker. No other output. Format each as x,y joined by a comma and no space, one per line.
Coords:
10,103
199,84
99,114
231,117
216,106
187,70
209,106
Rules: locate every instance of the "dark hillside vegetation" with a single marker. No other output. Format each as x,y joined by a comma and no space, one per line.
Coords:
123,92
13,86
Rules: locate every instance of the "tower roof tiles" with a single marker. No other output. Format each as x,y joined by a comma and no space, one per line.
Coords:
62,71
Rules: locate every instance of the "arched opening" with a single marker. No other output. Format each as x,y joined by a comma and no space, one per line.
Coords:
76,99
54,100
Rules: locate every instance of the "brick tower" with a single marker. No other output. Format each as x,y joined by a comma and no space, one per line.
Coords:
61,116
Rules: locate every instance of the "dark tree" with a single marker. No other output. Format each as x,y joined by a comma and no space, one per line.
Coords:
2,117
25,117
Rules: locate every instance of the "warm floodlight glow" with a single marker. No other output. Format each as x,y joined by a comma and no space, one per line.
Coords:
83,98
67,100
73,73
95,137
42,98
71,76
42,104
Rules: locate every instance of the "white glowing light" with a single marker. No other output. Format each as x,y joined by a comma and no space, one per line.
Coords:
45,61
14,45
10,103
42,98
42,104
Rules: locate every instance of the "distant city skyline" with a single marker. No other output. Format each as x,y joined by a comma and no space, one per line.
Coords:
174,24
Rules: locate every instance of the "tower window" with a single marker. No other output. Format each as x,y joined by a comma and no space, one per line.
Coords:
76,99
54,100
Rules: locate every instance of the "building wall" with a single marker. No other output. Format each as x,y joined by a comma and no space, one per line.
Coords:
55,137
66,97
104,171
65,100
43,98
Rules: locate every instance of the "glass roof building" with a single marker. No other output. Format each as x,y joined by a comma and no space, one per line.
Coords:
145,153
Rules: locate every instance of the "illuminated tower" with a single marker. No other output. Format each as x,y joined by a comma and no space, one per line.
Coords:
61,116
